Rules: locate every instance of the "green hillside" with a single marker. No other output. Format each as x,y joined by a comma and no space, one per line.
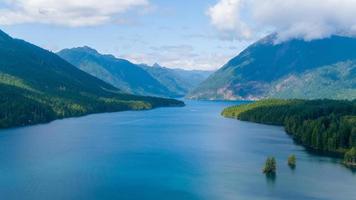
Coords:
38,86
118,72
322,68
337,81
178,81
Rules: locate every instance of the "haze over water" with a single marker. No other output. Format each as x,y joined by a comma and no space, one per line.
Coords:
167,153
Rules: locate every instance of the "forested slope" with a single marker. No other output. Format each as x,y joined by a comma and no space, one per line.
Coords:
38,86
316,69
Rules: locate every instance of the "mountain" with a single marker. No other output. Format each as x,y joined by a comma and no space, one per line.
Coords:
178,81
324,68
38,86
118,72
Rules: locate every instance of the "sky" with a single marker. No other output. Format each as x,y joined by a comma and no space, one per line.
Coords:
176,34
188,34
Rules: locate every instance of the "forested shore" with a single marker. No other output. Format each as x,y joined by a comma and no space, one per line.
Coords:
327,126
19,107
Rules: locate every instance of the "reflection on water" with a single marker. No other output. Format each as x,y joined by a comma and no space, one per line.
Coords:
271,178
292,167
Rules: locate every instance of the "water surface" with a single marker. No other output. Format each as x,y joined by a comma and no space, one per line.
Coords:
168,153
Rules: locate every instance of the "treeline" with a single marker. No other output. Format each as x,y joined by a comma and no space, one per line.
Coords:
322,125
20,107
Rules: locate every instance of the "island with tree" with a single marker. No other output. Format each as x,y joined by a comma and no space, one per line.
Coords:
270,167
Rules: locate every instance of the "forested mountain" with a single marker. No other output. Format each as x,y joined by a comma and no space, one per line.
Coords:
118,72
137,79
324,68
38,86
178,81
322,125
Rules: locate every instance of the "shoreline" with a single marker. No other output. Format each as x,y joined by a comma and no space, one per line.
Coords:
88,114
338,155
312,124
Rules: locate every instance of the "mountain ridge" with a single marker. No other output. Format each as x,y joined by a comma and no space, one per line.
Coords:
255,72
134,78
118,72
178,80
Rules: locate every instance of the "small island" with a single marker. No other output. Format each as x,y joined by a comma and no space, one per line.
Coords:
292,161
270,167
324,126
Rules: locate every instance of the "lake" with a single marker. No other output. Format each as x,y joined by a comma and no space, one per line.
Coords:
167,153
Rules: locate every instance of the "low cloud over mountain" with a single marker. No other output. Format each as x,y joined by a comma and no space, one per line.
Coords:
303,19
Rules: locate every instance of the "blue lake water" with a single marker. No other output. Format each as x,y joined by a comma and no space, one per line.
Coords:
168,153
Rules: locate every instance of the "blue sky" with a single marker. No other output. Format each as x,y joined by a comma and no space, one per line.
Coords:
190,34
171,33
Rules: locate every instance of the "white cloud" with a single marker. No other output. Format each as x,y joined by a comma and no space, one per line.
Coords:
307,19
225,16
65,12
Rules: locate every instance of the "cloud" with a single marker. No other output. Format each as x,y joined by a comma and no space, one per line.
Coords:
65,12
305,19
225,16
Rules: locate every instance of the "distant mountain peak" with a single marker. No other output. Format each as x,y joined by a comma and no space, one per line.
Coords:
156,65
83,49
269,39
87,49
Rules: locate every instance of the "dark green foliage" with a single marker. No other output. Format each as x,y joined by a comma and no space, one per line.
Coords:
292,161
270,166
322,125
17,110
37,86
350,157
293,69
